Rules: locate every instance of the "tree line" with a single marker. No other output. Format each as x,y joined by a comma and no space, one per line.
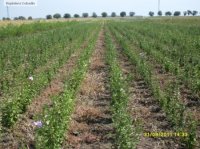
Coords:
113,14
176,13
85,15
123,14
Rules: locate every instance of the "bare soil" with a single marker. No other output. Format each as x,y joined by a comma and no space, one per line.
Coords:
91,124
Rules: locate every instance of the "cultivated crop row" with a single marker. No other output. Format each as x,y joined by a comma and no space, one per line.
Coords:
146,78
28,81
56,119
176,48
125,133
168,99
14,30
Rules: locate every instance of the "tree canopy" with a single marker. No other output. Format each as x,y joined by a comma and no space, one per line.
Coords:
30,18
94,15
85,15
76,16
113,14
160,13
123,14
151,13
177,13
168,13
104,14
57,16
67,15
194,12
49,16
131,14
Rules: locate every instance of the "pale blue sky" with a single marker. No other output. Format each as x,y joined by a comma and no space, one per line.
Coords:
141,7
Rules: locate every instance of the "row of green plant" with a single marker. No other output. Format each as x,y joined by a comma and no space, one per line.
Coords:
184,63
21,56
16,103
127,136
171,40
143,47
55,120
12,30
168,99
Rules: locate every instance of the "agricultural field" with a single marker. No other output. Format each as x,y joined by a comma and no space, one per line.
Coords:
100,84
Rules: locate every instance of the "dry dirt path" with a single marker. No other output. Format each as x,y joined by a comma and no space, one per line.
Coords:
91,124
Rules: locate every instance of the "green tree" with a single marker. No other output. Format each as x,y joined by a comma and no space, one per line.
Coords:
15,18
57,16
168,13
21,18
131,14
104,14
76,16
189,12
67,15
85,15
49,16
184,13
177,13
151,13
160,13
94,15
194,12
5,19
113,14
123,14
30,18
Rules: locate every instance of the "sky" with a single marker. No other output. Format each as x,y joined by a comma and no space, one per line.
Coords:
140,7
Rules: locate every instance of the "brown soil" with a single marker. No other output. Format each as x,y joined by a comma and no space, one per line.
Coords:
23,131
144,108
91,124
